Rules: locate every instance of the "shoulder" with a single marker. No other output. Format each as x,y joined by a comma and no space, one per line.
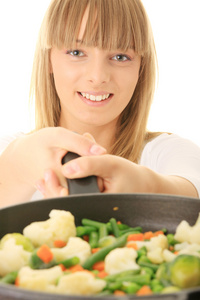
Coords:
169,148
167,142
171,154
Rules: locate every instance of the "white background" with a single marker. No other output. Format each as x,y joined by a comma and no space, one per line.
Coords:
176,27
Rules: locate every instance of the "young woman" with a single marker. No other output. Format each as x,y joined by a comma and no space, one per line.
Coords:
93,83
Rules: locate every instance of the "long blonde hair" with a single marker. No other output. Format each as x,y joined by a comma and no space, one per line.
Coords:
119,24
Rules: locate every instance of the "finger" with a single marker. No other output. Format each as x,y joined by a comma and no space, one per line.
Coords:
50,186
100,184
89,165
40,186
71,141
89,136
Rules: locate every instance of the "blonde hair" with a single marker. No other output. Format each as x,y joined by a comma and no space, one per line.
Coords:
117,24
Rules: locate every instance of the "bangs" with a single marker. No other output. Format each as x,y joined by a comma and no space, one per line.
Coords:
111,24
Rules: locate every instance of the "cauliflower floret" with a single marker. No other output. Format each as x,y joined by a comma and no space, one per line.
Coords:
156,255
121,259
157,241
180,246
60,226
40,280
191,249
75,247
12,257
168,255
187,233
79,283
155,248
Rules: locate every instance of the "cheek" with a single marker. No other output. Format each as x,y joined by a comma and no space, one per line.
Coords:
129,83
64,79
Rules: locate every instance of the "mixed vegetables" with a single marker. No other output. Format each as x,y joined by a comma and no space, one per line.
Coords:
100,258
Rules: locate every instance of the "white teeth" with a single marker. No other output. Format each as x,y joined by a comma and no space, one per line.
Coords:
95,98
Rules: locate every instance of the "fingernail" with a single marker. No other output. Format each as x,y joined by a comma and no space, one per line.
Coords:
96,149
72,168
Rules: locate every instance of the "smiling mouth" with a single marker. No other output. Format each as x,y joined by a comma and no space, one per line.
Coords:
95,98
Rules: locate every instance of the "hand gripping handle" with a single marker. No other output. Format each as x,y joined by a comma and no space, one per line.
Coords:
80,185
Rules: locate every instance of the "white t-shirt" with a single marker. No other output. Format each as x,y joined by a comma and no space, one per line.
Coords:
165,154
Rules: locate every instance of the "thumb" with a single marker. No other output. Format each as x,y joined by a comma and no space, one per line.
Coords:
88,165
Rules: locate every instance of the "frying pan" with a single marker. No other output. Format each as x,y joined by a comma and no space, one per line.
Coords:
150,211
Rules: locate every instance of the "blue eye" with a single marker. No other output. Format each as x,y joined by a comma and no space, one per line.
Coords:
77,53
121,57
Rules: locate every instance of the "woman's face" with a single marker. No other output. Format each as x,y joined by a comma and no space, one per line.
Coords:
94,85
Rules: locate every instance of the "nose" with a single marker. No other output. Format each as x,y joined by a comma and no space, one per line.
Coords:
98,71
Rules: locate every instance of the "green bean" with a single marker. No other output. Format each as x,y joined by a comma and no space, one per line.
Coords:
120,226
132,230
112,286
100,255
70,262
130,287
106,241
157,289
141,252
147,270
103,231
9,278
156,286
96,224
143,258
122,274
154,282
84,230
93,239
154,267
115,228
143,279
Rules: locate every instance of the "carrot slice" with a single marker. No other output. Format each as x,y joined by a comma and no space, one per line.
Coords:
135,237
119,293
132,245
99,266
59,244
17,281
158,232
45,254
94,250
62,267
148,235
145,290
102,274
76,268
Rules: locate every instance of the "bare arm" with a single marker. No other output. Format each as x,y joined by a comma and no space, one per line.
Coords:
119,175
27,157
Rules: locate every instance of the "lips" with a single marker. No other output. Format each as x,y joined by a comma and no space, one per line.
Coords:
95,97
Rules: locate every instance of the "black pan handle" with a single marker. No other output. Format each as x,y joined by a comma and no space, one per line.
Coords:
80,185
